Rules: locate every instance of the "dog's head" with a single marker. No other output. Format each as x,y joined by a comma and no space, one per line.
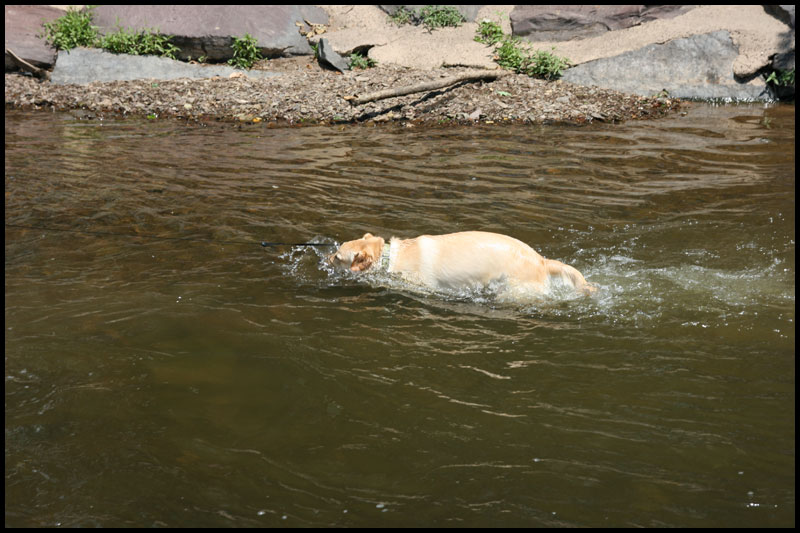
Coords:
358,255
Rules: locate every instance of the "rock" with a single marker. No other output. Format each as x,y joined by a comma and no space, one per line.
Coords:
699,67
85,65
566,22
23,27
367,29
208,31
327,57
640,59
783,13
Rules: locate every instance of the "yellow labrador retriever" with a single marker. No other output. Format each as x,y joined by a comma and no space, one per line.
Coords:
465,260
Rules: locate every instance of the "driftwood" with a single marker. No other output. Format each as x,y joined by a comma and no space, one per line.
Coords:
426,86
24,65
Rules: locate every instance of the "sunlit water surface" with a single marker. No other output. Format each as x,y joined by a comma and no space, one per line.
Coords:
213,382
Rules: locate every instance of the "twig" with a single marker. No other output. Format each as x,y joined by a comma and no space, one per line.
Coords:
426,86
24,65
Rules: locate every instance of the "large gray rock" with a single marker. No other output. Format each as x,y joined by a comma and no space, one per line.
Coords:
23,27
208,30
566,22
698,67
85,65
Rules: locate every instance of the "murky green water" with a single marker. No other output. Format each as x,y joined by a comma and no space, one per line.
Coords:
195,383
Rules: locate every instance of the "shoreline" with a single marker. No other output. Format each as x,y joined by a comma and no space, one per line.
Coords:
304,93
626,63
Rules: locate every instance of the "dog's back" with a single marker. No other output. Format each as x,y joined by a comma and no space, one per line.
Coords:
466,259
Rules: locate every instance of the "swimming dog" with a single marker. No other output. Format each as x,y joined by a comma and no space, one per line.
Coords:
464,260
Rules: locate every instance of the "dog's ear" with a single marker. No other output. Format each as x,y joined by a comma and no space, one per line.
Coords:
367,236
361,261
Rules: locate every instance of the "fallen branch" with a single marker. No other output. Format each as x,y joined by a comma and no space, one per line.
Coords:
426,86
24,65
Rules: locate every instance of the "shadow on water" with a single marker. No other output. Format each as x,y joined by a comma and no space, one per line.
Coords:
202,382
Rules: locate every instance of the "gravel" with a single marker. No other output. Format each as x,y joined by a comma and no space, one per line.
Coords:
306,94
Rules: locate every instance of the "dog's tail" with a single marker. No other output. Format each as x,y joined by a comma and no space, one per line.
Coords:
557,269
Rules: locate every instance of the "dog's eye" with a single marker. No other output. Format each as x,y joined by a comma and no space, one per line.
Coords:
338,257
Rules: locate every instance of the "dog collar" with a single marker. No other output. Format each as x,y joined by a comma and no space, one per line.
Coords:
385,256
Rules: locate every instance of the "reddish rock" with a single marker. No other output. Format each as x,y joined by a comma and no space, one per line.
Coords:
23,27
567,22
208,30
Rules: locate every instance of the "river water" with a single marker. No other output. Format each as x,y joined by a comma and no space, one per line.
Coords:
213,382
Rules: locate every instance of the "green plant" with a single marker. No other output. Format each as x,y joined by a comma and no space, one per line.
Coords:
73,29
547,65
510,54
362,62
245,52
430,16
402,16
489,32
781,78
513,53
138,43
441,16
